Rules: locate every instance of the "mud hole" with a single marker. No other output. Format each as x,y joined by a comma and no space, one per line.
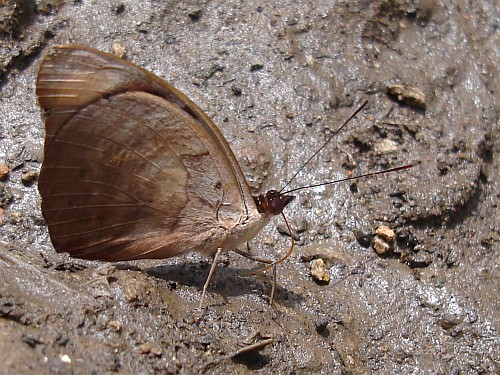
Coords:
278,78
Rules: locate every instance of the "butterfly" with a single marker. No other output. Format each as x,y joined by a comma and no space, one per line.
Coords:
133,169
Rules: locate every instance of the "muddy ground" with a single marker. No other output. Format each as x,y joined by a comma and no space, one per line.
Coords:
277,78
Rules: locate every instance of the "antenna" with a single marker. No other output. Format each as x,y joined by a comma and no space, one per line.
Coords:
350,178
323,146
283,195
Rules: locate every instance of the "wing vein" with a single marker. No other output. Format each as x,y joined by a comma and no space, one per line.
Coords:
125,146
139,201
100,229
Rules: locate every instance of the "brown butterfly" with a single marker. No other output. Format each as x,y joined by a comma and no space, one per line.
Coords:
133,169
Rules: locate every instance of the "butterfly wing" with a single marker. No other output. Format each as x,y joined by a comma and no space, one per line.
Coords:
133,169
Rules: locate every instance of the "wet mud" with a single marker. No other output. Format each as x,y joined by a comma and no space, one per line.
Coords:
278,78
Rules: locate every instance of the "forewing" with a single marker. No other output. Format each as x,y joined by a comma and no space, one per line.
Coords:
133,169
72,77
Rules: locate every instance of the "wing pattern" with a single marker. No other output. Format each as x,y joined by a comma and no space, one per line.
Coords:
132,168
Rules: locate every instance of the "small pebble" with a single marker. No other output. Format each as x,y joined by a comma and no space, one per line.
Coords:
118,50
145,348
115,325
319,272
118,8
65,358
383,240
449,321
386,146
27,177
386,233
194,13
131,294
364,239
148,347
380,245
329,255
16,216
4,171
410,96
236,90
256,65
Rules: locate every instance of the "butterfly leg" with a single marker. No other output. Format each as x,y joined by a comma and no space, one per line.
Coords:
212,269
273,288
253,257
247,255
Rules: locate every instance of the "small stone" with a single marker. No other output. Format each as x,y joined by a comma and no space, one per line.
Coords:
256,65
115,325
27,177
386,146
118,7
383,241
206,340
118,50
410,96
145,348
364,239
380,245
143,26
301,226
386,233
349,162
268,241
321,325
319,272
4,171
194,13
156,351
236,90
47,7
105,269
449,321
419,260
16,216
65,358
329,255
148,347
131,295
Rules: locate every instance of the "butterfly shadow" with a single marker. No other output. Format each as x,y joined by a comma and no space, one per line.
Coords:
227,281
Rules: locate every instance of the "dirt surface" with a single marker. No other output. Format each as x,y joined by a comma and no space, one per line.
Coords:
278,78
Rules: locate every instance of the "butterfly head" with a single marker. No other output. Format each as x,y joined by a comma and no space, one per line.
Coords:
272,202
